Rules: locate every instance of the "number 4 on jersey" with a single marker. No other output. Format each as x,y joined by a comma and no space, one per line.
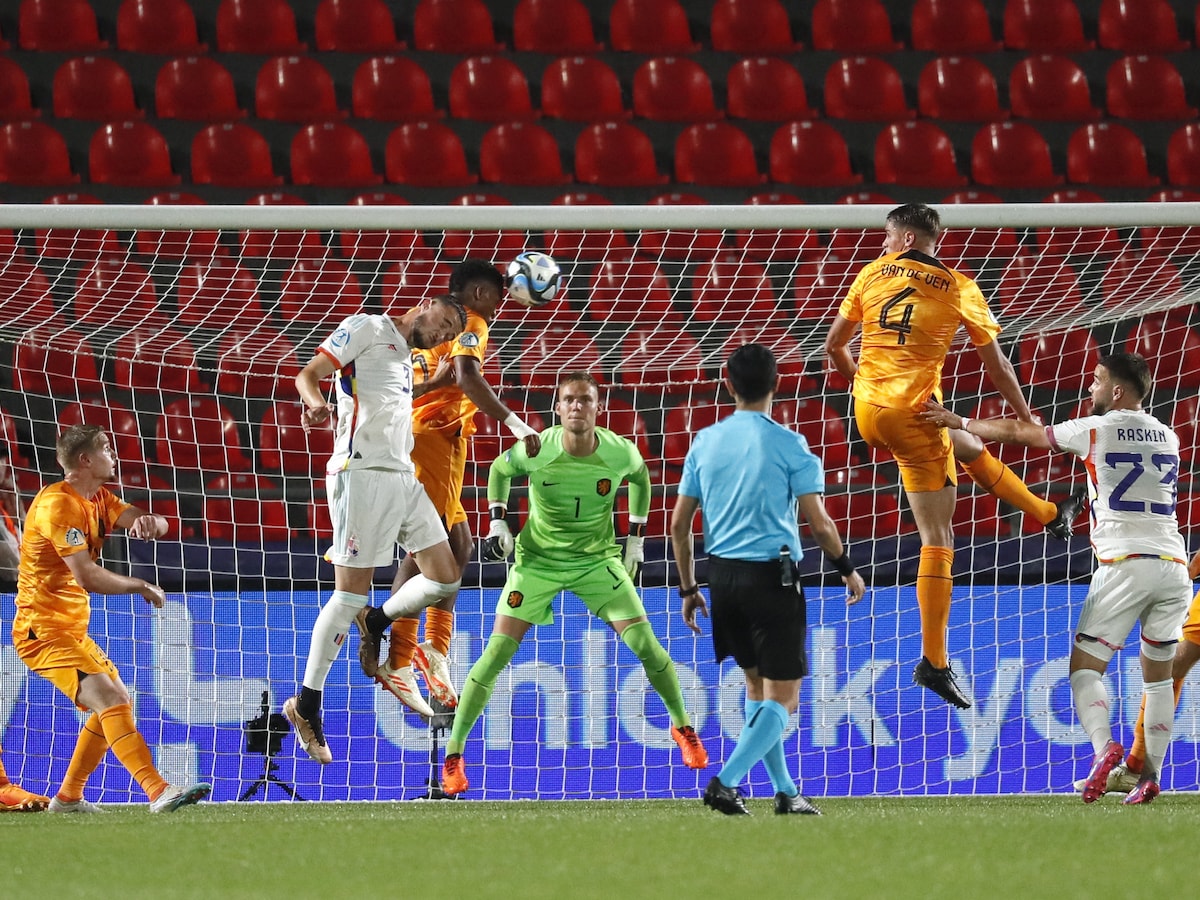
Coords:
902,326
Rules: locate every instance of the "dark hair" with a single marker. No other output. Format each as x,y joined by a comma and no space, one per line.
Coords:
474,270
1132,370
458,307
75,440
568,377
752,372
917,217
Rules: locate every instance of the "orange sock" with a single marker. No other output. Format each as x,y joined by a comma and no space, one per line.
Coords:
89,750
403,643
1137,753
130,748
933,597
996,478
439,624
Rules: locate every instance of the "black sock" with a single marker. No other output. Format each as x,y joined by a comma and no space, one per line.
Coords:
308,704
377,621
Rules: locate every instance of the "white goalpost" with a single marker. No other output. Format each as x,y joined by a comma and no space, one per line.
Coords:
179,329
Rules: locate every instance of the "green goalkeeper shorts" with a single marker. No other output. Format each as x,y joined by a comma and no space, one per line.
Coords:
604,587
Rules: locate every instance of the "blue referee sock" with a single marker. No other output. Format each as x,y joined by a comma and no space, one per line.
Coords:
764,729
775,761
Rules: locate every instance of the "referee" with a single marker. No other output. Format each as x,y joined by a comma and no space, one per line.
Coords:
750,474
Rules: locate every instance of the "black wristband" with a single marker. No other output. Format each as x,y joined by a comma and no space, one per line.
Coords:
497,511
843,565
694,589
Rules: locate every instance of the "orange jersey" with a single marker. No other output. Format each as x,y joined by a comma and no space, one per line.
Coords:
60,523
448,410
910,305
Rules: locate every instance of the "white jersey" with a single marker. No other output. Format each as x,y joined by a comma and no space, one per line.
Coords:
374,395
1132,462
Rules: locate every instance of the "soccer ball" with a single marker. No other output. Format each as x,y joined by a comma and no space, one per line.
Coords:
533,278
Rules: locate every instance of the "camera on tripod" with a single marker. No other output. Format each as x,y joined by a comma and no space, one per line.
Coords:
265,732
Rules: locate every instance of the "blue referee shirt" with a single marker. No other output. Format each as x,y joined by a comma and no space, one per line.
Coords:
747,471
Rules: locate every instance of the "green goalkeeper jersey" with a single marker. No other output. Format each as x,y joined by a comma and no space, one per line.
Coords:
570,497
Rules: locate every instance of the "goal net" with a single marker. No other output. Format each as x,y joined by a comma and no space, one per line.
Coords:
179,331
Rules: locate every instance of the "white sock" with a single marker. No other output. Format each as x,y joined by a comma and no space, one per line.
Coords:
329,631
1091,706
416,594
1160,714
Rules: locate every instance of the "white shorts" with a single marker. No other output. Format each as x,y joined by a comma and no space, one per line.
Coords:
373,510
1155,592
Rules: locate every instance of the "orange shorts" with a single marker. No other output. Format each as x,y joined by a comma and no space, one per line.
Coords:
1191,625
440,463
61,659
923,450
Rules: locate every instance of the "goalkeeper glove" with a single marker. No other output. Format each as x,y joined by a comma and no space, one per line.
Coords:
635,554
499,541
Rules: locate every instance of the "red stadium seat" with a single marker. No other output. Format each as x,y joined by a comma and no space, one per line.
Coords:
852,26
332,154
490,89
963,375
1134,279
775,245
1146,87
280,244
624,288
319,521
916,153
454,26
695,411
616,154
682,244
581,89
1044,26
1052,88
295,89
791,358
130,154
956,245
1108,155
284,446
976,513
484,243
155,359
813,154
70,243
427,154
520,153
218,294
187,243
952,26
93,87
716,153
26,299
392,245
733,291
652,356
1139,26
765,89
673,89
356,26
393,89
409,282
1182,241
196,89
960,89
1086,242
1039,287
114,292
157,26
54,360
257,26
34,153
1012,154
1064,360
235,509
117,421
824,428
257,363
16,101
549,352
319,292
622,417
863,507
865,89
820,285
232,154
861,245
650,26
1171,349
553,26
751,26
590,244
1183,156
141,487
58,25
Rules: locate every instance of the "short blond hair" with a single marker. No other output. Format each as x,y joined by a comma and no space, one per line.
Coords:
76,440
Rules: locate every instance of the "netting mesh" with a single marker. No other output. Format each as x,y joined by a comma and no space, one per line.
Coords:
183,344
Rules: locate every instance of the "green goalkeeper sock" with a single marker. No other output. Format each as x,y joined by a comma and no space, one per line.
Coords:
660,670
477,691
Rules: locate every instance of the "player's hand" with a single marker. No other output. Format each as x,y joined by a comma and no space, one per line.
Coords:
148,527
443,375
533,444
499,542
314,416
856,587
635,554
693,603
154,595
939,415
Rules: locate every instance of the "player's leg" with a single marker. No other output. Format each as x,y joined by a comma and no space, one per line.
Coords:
402,639
89,751
433,654
14,798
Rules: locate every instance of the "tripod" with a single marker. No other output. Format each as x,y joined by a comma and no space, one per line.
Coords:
443,718
264,734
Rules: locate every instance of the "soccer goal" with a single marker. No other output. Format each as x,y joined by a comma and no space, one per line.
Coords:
179,330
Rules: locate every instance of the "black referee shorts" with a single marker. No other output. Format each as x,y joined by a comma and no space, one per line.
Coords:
758,621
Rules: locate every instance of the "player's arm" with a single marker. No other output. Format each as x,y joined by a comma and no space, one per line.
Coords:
308,384
469,375
499,542
639,514
825,533
1194,567
95,579
141,524
1002,431
837,346
1002,374
443,376
685,559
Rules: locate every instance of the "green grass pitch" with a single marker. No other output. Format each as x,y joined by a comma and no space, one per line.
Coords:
969,847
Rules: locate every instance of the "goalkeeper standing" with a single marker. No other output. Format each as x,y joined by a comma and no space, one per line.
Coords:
569,544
